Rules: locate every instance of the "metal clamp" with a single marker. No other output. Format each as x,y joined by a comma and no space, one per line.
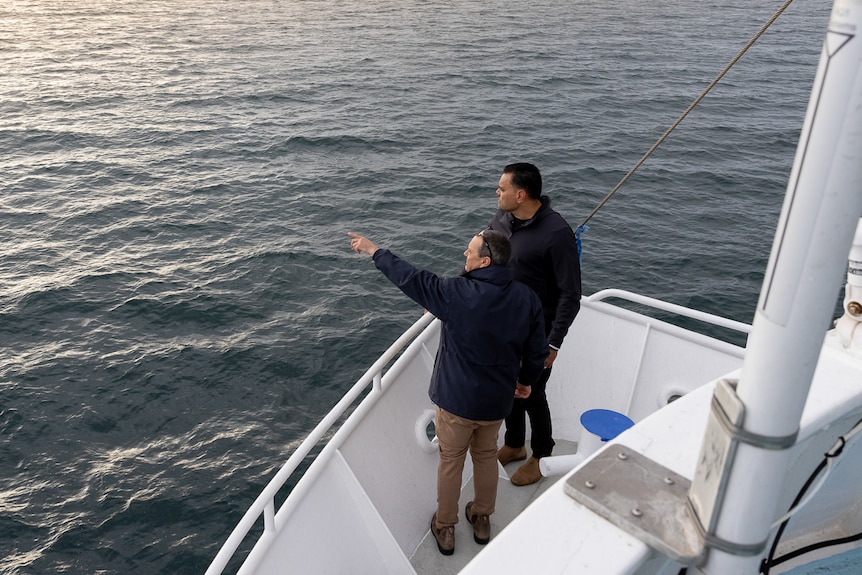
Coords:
735,429
712,541
724,433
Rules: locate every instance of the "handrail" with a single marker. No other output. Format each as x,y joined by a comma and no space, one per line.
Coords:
265,502
670,307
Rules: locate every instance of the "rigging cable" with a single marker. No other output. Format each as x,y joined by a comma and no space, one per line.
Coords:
583,227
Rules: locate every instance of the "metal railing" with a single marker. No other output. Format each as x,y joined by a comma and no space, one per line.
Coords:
670,307
265,503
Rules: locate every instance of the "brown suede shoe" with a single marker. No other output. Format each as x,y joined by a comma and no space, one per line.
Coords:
445,537
508,454
481,525
528,473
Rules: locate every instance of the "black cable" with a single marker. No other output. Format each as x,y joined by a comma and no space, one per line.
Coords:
769,562
815,547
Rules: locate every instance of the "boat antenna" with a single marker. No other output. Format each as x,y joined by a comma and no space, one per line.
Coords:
583,226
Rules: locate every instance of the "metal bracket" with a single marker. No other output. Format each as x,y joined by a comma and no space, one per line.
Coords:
716,455
725,395
712,541
642,498
663,509
724,433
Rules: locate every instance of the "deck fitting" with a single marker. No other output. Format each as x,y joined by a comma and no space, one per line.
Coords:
641,497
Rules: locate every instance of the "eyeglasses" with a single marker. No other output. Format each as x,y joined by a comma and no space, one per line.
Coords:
485,243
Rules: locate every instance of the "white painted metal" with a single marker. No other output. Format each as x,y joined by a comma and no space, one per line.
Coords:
819,217
378,449
617,359
265,501
670,307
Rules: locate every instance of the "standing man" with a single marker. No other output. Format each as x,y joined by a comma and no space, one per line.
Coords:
545,257
492,347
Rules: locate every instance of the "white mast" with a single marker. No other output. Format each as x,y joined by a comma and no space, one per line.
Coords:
809,257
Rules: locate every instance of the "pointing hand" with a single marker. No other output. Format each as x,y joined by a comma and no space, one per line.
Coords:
360,244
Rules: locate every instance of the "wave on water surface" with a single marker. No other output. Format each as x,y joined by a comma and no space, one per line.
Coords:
178,302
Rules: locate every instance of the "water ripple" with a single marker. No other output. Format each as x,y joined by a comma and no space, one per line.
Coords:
178,306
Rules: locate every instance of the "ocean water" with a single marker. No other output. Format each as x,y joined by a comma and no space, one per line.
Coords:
178,302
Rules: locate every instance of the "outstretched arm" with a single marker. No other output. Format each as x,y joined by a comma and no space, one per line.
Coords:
421,286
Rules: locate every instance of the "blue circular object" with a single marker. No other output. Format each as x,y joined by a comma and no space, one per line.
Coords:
605,423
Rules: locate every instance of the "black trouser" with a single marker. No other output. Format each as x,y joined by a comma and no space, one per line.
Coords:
536,407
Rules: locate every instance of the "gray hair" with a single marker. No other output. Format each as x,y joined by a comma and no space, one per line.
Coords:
495,246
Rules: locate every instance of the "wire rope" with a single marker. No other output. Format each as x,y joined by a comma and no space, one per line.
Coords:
686,112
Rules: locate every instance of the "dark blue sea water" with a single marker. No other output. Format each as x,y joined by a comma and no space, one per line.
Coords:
178,303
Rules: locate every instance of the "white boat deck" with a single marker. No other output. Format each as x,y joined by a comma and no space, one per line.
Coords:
511,500
382,499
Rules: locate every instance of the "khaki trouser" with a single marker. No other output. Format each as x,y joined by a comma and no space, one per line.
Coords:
455,435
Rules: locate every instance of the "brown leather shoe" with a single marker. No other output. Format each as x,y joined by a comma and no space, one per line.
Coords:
445,537
481,525
528,473
507,454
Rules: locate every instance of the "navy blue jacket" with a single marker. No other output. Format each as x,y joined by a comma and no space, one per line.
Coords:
545,257
492,335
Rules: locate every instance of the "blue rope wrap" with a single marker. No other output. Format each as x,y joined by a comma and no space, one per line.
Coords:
578,232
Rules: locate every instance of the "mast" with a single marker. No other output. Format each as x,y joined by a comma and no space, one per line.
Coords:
754,421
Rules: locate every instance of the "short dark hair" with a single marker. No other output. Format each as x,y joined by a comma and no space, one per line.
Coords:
526,176
495,246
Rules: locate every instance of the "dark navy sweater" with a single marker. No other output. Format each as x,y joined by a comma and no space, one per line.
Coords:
545,257
492,335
